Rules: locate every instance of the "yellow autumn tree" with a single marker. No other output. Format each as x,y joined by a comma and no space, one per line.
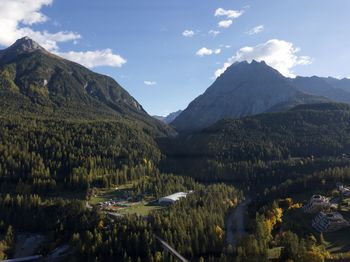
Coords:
219,232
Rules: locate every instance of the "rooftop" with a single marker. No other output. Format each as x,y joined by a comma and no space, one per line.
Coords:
175,196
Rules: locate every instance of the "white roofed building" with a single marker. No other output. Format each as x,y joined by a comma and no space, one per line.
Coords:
168,200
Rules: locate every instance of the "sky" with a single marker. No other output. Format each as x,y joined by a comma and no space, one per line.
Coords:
167,52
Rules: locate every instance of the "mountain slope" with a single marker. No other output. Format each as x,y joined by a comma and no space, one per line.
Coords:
66,128
339,83
36,82
233,146
320,86
169,118
243,89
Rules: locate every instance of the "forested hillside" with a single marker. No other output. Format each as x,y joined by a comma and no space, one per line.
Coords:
66,127
232,149
63,131
78,156
54,155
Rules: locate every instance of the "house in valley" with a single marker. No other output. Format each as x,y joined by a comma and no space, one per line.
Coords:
329,222
316,204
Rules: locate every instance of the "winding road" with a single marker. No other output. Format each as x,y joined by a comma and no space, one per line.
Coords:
235,223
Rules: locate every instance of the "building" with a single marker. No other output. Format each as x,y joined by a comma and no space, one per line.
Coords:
345,191
329,222
171,199
316,204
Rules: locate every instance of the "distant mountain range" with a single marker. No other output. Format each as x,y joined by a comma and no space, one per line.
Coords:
35,82
339,83
252,88
169,118
326,87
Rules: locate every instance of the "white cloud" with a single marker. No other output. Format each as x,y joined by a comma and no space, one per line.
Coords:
225,23
256,30
232,14
149,83
279,54
95,58
226,46
188,33
340,77
206,51
213,33
17,17
217,51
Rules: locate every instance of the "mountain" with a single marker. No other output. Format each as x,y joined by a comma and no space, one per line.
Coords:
339,83
232,148
328,88
35,82
21,46
68,128
169,118
243,89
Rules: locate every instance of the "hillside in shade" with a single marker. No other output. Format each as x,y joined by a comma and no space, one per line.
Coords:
317,130
333,89
243,89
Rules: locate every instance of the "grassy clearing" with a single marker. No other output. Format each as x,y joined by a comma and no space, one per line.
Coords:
142,208
110,193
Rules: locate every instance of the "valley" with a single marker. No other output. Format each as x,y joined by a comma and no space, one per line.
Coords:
85,169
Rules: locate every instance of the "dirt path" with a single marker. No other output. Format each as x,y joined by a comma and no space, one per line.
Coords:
235,223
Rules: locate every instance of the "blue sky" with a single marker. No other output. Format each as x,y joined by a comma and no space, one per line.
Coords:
138,42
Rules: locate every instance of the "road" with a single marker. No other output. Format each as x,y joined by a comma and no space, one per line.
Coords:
28,244
22,259
171,250
235,223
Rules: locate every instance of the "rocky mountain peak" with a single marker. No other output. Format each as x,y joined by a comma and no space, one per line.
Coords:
25,44
21,46
245,88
